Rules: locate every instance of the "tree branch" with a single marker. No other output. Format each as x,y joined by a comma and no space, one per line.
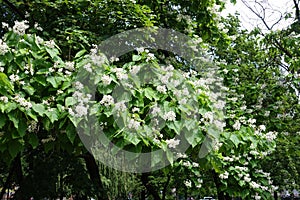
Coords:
15,9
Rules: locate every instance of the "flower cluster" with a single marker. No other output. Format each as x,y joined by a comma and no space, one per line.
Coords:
107,100
20,27
172,143
22,101
3,47
81,108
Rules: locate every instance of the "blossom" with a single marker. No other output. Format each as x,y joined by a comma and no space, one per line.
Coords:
1,69
135,69
3,47
188,183
120,106
162,89
262,127
237,125
270,136
140,50
155,110
20,27
50,44
107,100
69,66
4,99
150,56
170,116
78,85
81,110
106,80
5,25
224,175
14,77
32,126
23,102
133,124
88,67
172,143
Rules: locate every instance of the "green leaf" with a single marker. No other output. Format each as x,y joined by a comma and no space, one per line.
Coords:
170,156
13,116
70,101
29,89
235,139
71,132
33,140
132,138
22,127
136,58
39,108
15,147
80,53
4,82
52,114
2,120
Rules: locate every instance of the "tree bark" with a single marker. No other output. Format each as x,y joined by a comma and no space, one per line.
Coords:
150,188
221,195
94,173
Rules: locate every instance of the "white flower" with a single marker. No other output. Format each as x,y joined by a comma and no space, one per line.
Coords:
32,126
135,69
220,125
37,26
182,101
209,116
162,89
237,125
78,85
135,109
81,110
267,113
188,183
5,25
150,56
257,197
4,99
69,66
14,77
20,27
224,175
139,50
172,143
220,104
251,121
195,164
170,116
270,136
225,71
262,127
254,185
3,47
247,179
106,80
1,69
107,100
133,124
155,110
88,67
120,106
50,44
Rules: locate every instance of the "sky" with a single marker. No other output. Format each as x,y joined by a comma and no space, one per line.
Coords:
275,9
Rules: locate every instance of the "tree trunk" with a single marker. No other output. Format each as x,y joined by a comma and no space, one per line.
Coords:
221,195
94,173
149,187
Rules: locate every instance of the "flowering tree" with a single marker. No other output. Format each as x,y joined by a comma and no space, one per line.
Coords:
46,99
